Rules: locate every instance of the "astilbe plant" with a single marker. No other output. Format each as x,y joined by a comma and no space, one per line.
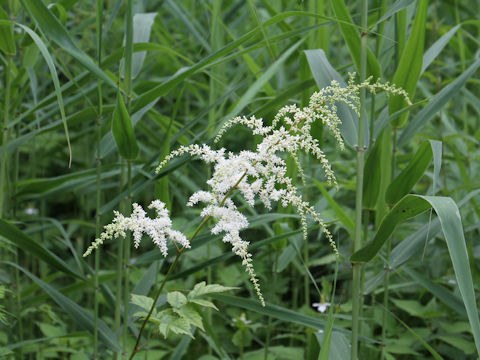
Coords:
259,174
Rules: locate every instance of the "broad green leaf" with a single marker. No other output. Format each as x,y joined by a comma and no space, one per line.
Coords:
323,73
201,289
451,223
204,303
410,65
122,130
371,183
81,316
55,31
189,313
408,177
7,42
144,302
352,39
415,308
24,242
459,342
438,101
56,83
176,299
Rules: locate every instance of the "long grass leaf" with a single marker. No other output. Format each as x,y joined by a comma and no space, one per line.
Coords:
410,64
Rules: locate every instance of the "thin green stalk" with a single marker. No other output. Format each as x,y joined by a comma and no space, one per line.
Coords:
357,268
126,261
269,321
6,108
98,215
386,280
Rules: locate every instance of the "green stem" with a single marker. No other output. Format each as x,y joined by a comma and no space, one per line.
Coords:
136,348
126,261
6,108
99,20
386,267
357,268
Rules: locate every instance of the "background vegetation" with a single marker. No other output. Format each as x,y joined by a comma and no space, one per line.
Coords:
183,68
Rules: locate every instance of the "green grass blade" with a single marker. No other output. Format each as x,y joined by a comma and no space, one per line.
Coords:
55,31
396,7
433,51
445,95
7,42
24,242
408,177
451,222
122,130
342,216
81,316
410,65
48,59
371,184
352,39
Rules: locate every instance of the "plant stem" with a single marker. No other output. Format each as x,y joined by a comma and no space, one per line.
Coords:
126,262
6,108
179,253
99,18
359,186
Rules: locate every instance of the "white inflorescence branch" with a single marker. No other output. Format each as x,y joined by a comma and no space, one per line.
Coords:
158,229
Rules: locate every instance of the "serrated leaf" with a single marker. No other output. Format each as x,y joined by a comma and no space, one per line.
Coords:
144,302
122,130
191,315
204,303
203,289
176,325
176,299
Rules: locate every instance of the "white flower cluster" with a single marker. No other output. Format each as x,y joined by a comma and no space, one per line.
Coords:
263,173
159,228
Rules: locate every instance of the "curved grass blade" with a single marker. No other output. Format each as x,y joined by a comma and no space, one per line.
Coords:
410,65
55,31
409,176
24,242
352,38
437,47
81,316
451,223
122,130
371,184
396,7
48,59
440,99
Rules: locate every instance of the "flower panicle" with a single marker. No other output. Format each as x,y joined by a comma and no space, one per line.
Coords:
159,229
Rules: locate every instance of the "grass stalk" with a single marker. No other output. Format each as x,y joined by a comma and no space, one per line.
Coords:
357,268
98,215
6,113
126,260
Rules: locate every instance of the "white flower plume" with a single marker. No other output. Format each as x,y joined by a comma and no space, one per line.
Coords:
158,229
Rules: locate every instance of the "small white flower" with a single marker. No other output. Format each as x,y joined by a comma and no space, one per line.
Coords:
321,307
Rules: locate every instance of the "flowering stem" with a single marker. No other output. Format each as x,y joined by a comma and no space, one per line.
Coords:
357,268
136,348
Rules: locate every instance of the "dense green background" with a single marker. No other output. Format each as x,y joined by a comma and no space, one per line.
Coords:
200,64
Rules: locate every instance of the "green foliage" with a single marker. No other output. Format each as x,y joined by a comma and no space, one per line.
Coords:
183,312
